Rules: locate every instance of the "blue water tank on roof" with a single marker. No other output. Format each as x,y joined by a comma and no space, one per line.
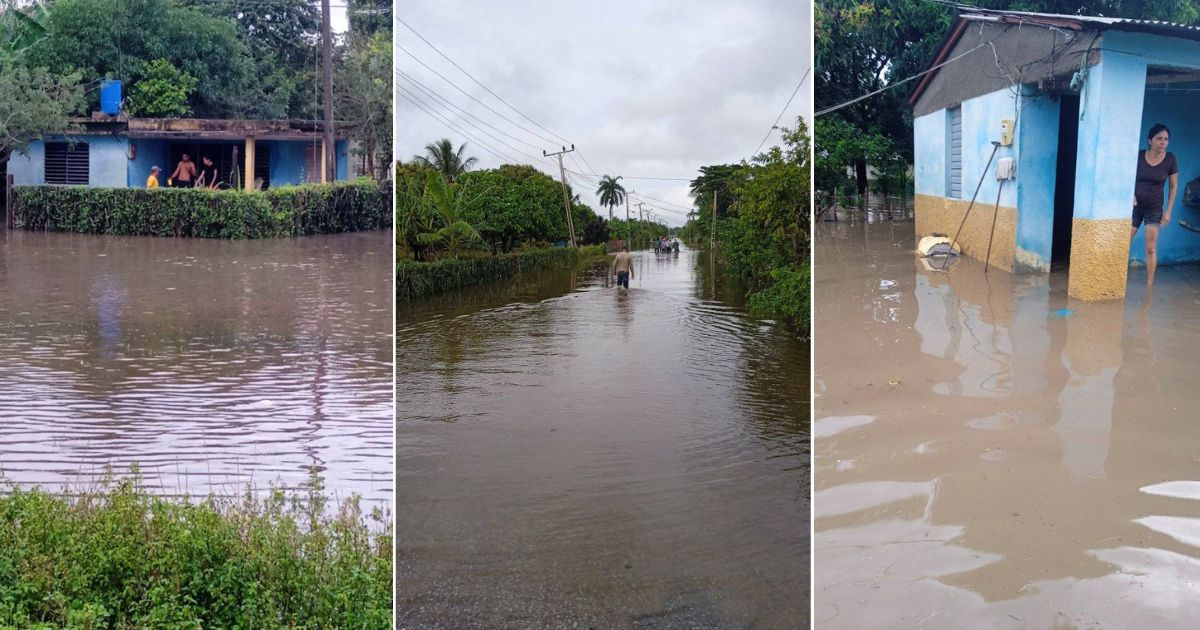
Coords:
110,97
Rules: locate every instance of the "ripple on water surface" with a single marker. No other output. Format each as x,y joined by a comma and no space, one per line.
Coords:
582,454
210,364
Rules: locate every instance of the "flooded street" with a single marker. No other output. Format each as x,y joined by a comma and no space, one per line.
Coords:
210,364
572,455
990,454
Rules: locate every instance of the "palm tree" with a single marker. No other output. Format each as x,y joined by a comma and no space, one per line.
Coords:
448,204
611,193
442,157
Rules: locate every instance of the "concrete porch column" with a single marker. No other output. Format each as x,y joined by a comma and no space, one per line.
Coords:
249,179
1109,133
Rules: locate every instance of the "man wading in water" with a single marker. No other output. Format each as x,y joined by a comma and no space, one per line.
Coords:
623,267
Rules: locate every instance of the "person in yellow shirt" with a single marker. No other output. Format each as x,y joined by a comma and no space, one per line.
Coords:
152,181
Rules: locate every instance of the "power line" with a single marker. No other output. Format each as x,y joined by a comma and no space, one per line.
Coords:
412,98
901,82
460,116
670,179
472,97
434,93
775,125
477,82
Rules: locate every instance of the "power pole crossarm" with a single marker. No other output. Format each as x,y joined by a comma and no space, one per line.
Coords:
566,196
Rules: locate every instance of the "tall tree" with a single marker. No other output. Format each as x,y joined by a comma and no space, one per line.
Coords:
442,157
612,193
363,98
33,102
116,39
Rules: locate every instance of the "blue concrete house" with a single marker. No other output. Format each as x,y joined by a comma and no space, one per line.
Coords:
118,152
1069,99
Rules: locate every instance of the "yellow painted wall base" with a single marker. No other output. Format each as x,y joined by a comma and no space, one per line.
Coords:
1099,259
938,214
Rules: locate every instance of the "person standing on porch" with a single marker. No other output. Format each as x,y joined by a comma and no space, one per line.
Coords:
185,173
1155,167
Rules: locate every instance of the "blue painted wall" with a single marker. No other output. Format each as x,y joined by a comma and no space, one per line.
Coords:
106,161
342,165
30,169
981,125
110,166
1110,109
981,118
929,154
149,153
1037,166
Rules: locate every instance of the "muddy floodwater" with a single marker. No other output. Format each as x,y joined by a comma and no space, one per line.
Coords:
573,455
991,454
210,364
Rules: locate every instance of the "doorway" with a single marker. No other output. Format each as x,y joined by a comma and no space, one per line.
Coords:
1064,178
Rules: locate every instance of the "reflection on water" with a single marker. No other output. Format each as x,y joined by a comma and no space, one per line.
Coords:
211,364
571,453
998,455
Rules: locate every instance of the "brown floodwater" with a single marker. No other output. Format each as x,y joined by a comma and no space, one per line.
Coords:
210,364
573,455
991,454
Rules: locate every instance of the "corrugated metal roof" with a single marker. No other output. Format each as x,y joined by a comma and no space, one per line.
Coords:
1057,20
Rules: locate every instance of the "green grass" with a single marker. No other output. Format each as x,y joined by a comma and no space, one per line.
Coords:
117,556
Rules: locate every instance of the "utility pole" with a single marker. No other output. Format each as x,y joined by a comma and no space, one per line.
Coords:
714,225
640,219
628,223
563,176
327,79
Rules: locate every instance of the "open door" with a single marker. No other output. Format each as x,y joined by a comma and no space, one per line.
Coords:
1064,179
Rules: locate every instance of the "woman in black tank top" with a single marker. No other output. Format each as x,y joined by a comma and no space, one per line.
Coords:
1155,168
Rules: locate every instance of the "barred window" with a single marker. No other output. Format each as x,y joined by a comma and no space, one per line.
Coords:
67,163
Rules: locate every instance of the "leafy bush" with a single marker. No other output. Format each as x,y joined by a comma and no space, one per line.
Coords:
118,557
785,297
283,211
417,280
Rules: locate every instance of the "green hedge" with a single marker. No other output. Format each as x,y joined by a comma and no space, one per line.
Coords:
417,280
117,556
283,211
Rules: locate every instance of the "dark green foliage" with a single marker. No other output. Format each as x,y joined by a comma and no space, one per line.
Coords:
518,204
762,226
595,231
418,280
116,556
283,211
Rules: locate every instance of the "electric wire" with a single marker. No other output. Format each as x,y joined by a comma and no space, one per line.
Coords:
778,118
477,82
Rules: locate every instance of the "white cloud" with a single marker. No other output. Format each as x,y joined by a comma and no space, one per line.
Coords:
642,89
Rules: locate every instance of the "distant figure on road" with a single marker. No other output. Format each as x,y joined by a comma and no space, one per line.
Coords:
185,173
152,181
623,267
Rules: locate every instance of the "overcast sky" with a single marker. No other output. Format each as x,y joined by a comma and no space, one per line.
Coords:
643,89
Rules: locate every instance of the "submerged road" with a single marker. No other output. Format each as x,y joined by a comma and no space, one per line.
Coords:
992,454
574,454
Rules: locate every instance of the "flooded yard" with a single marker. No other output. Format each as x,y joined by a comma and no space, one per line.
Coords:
990,454
210,364
572,455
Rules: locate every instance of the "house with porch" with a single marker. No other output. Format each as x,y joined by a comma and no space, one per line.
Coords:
117,151
1068,100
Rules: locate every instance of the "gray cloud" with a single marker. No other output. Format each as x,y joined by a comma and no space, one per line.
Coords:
643,89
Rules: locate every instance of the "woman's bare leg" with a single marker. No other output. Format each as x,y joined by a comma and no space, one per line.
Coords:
1151,253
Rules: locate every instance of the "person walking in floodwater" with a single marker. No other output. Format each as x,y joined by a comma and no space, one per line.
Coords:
623,267
184,173
1155,167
